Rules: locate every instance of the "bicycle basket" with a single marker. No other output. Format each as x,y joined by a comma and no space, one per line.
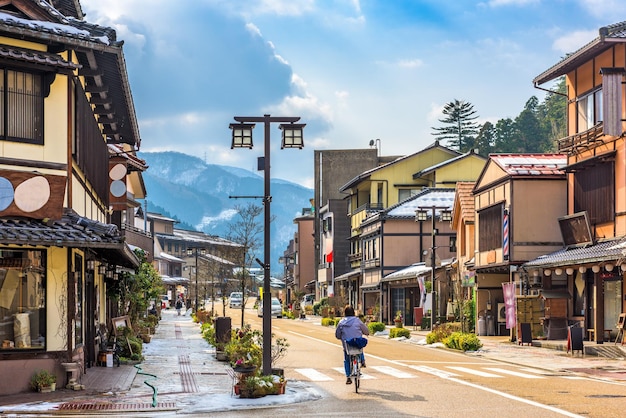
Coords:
351,349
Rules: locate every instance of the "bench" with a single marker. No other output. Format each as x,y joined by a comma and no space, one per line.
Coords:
607,334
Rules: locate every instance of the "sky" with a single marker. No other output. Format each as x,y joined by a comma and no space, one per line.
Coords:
353,70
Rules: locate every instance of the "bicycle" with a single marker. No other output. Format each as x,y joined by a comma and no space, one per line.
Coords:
355,354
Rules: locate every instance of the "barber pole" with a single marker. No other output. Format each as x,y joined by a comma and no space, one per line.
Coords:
505,235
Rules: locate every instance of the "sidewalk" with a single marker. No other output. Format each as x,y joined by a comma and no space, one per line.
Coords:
186,372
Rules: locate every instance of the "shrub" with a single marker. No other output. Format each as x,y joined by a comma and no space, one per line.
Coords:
375,327
441,332
399,332
328,322
463,341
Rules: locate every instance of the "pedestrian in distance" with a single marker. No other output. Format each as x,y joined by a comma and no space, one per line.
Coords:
351,328
179,305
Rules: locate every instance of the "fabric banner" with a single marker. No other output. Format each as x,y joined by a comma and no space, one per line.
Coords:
508,290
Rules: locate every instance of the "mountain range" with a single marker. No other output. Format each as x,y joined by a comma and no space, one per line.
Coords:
197,194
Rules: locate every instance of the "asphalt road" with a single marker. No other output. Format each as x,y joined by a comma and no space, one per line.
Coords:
408,379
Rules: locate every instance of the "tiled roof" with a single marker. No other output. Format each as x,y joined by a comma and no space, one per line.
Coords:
35,57
70,231
133,160
466,199
609,250
531,164
426,198
71,28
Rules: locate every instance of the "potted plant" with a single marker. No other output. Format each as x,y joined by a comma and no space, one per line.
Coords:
244,350
43,381
398,319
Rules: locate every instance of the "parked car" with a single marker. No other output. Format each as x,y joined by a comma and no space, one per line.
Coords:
308,299
277,309
235,300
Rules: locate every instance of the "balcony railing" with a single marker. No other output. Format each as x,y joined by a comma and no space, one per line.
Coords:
581,140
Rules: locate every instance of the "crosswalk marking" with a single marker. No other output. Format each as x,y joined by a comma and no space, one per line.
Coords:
433,371
364,376
514,373
392,372
472,371
314,375
446,372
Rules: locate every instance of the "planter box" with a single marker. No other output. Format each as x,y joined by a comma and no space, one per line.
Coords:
47,389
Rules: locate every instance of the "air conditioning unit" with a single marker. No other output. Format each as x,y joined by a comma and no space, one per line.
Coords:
501,312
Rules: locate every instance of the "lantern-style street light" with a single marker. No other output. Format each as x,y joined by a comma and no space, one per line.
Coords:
421,215
291,138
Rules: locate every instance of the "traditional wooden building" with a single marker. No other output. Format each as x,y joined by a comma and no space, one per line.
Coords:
69,178
592,261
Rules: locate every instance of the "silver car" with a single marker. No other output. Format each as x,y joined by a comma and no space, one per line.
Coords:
277,309
235,300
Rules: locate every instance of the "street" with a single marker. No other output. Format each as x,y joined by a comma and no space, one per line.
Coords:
415,380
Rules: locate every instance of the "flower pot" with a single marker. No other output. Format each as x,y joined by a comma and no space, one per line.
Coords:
237,389
244,370
279,388
45,389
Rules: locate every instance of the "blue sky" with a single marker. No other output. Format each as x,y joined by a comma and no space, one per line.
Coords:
353,70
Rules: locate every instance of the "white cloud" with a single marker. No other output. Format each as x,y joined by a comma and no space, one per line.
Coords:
413,63
574,40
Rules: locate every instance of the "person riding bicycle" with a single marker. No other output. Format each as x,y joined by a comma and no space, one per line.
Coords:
350,327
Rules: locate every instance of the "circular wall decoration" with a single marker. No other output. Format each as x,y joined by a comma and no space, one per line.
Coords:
32,194
118,188
117,172
6,193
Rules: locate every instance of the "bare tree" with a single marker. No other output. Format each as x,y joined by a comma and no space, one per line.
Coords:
245,230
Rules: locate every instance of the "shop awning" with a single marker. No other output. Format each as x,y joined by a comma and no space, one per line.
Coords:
368,288
411,272
347,275
609,250
71,231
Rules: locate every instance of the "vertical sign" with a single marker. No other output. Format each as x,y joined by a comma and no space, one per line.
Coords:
508,291
505,235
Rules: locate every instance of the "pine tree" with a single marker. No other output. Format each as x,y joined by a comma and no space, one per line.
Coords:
460,127
485,141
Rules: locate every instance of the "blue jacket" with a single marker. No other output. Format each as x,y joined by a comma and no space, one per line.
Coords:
350,327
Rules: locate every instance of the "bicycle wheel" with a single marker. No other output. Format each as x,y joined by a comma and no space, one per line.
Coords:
356,372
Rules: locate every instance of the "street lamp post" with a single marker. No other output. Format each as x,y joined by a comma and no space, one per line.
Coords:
242,138
421,215
190,252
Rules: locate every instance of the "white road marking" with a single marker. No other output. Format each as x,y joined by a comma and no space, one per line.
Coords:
391,371
514,373
472,371
462,382
314,375
436,372
364,376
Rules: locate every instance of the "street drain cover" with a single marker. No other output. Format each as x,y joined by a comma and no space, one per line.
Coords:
105,406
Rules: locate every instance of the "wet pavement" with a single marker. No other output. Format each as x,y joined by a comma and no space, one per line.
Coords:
189,379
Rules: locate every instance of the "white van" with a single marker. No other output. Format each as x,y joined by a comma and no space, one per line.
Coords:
308,299
235,300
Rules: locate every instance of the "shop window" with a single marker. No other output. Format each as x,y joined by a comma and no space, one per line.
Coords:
22,300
